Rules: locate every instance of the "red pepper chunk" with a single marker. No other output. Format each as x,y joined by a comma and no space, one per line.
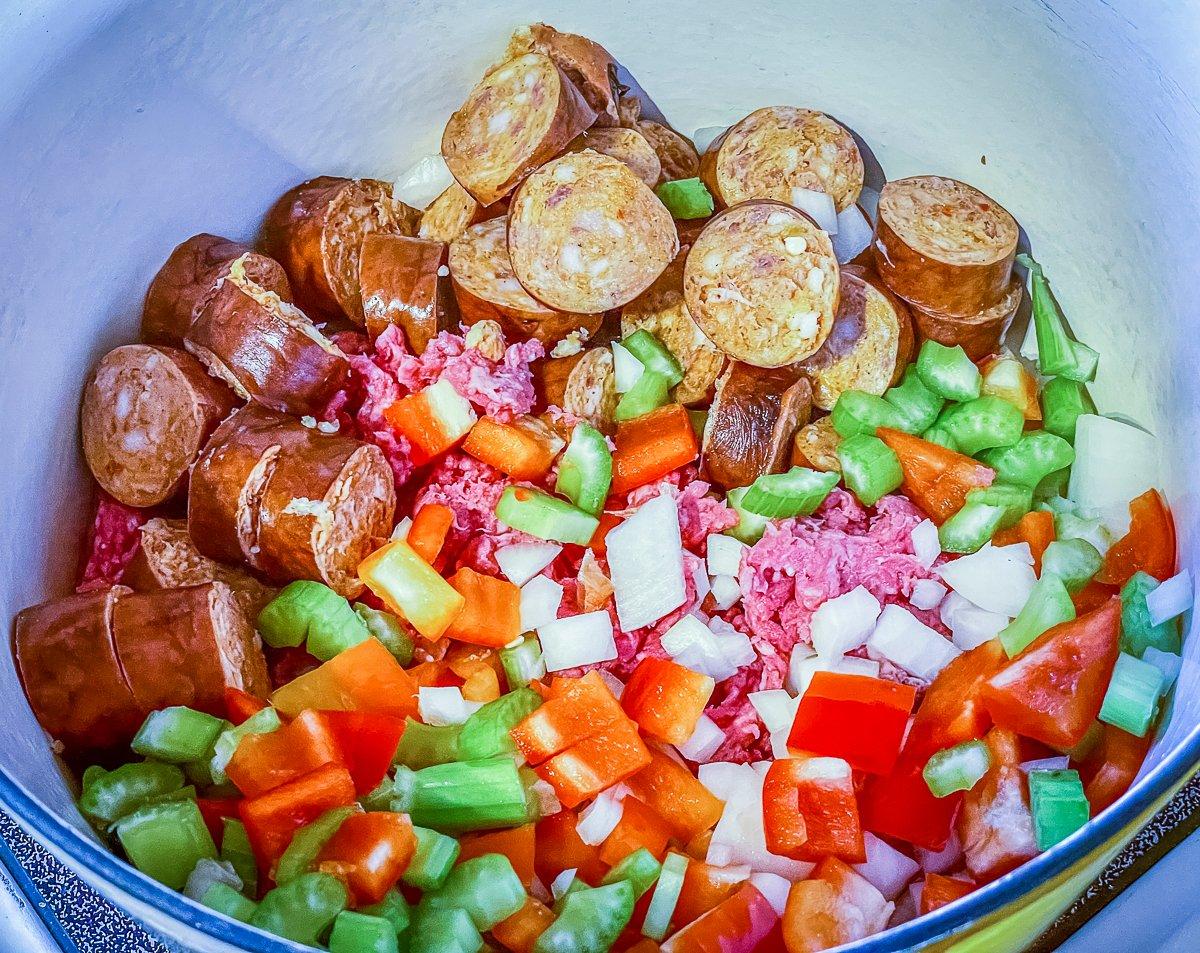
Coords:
1052,691
666,699
837,905
739,924
520,932
366,677
577,709
214,810
491,612
596,763
638,827
369,852
810,810
900,805
996,824
936,479
1035,528
1149,545
854,717
240,705
518,844
430,524
677,796
938,890
1110,767
651,446
367,742
262,763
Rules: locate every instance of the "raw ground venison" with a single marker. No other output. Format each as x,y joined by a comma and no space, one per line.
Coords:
113,540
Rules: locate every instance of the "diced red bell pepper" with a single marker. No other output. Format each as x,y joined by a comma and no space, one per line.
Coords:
1111,766
837,905
427,534
704,887
479,670
608,521
491,613
951,711
273,818
996,824
367,742
214,810
854,717
1149,546
677,796
810,810
1035,528
666,699
369,852
1092,597
739,924
1006,377
651,446
520,932
937,480
559,848
262,763
639,826
1053,690
939,890
596,763
240,705
518,844
580,708
900,805
524,449
433,419
366,677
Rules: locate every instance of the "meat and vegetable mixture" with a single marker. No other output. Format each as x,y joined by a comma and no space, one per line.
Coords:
633,549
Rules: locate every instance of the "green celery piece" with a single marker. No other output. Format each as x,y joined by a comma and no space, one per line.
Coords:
124,789
750,526
574,886
307,610
486,733
917,406
639,868
393,908
1058,804
307,843
422,745
686,198
224,899
870,468
486,887
432,861
948,372
665,897
1070,524
1031,459
356,932
303,909
177,735
523,661
654,356
1015,500
956,769
469,795
585,469
699,420
544,516
1059,355
857,412
1137,632
1063,403
445,930
166,840
983,423
1074,561
91,775
649,393
1131,702
236,850
1053,484
798,492
260,723
1049,604
388,630
590,921
968,529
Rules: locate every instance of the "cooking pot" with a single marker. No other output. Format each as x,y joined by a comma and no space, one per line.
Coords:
125,127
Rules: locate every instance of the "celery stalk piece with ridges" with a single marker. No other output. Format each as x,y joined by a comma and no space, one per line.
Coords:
523,661
121,791
654,355
956,769
303,909
1131,702
948,372
857,412
585,469
1074,561
544,516
649,393
1058,804
1063,403
983,423
432,861
665,897
356,932
165,840
1049,605
798,492
1015,500
178,735
972,526
1059,355
486,733
486,887
1031,459
1137,631
870,468
590,921
918,406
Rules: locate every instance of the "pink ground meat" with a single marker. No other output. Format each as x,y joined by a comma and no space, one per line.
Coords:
113,541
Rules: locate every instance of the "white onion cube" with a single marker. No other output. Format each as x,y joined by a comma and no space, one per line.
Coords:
969,625
844,622
775,707
905,640
704,742
925,542
444,705
724,555
853,234
887,869
645,560
540,599
927,594
996,578
577,640
726,591
520,562
1172,598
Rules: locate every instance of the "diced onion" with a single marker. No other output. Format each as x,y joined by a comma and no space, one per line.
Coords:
547,799
775,707
520,562
402,528
817,205
926,544
540,599
645,560
600,818
705,136
691,643
803,665
970,625
996,578
773,887
905,640
626,368
939,861
844,622
1060,763
1172,598
1114,462
206,874
927,594
704,742
577,640
440,705
853,234
734,645
562,883
738,837
726,591
615,685
779,743
887,869
724,555
1166,662
428,178
701,581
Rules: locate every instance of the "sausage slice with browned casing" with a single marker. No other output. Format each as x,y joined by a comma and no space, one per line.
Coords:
815,446
450,214
779,148
585,234
588,65
761,282
943,245
405,282
979,334
628,145
676,154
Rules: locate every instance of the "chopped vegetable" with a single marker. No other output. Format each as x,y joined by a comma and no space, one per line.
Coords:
971,527
430,524
467,796
387,629
1064,402
544,516
651,446
585,470
303,909
412,588
937,891
1058,354
110,796
1131,701
742,922
524,449
1049,605
667,890
1073,561
654,356
983,423
810,810
651,392
272,819
1005,376
902,638
165,840
948,372
870,468
228,741
685,198
645,559
917,405
1035,529
676,796
585,769
487,732
312,613
1031,459
355,932
1171,599
521,562
224,899
666,699
590,921
994,578
433,419
1059,805
1149,546
491,610
857,413
1137,631
434,856
523,662
486,887
1014,501
577,640
956,769
263,762
835,906
307,842
996,823
784,495
519,932
750,526
177,735
937,480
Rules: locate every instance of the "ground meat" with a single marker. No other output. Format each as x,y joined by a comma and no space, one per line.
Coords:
113,541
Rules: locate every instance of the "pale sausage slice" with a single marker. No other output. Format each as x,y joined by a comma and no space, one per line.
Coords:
754,416
628,145
486,288
661,310
590,391
778,148
979,334
405,282
761,282
188,279
944,246
587,64
450,214
869,346
266,349
816,446
146,413
586,235
316,230
521,115
676,154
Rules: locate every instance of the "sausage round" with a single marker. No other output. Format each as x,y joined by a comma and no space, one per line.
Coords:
316,230
487,288
146,412
628,145
676,154
662,311
450,214
761,282
405,282
189,277
521,115
590,391
943,245
587,64
778,148
815,446
587,235
266,349
979,334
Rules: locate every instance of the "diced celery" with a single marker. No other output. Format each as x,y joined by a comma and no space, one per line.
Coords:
857,412
523,661
917,405
983,423
1063,403
444,929
1016,501
542,515
486,733
307,843
166,840
685,198
388,630
423,745
111,796
1048,605
1137,631
303,909
654,355
1031,459
585,469
469,795
224,899
665,897
1131,702
260,723
956,769
639,868
393,908
649,393
356,932
307,611
750,526
432,861
486,887
1058,804
1058,354
590,921
798,492
948,372
968,529
236,851
1074,561
870,468
177,735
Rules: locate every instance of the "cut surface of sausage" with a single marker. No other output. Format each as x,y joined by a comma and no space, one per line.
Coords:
450,214
979,334
778,148
662,311
486,288
146,412
868,347
189,277
761,282
405,282
588,65
521,115
587,235
591,389
943,245
628,145
816,446
676,154
316,230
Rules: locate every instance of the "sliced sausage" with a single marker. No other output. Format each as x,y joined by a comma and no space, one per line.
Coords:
661,310
405,281
186,647
676,154
486,288
189,278
146,413
586,235
168,559
316,230
521,115
266,349
815,446
979,334
451,214
944,246
587,64
628,145
761,282
754,416
779,148
868,347
590,389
